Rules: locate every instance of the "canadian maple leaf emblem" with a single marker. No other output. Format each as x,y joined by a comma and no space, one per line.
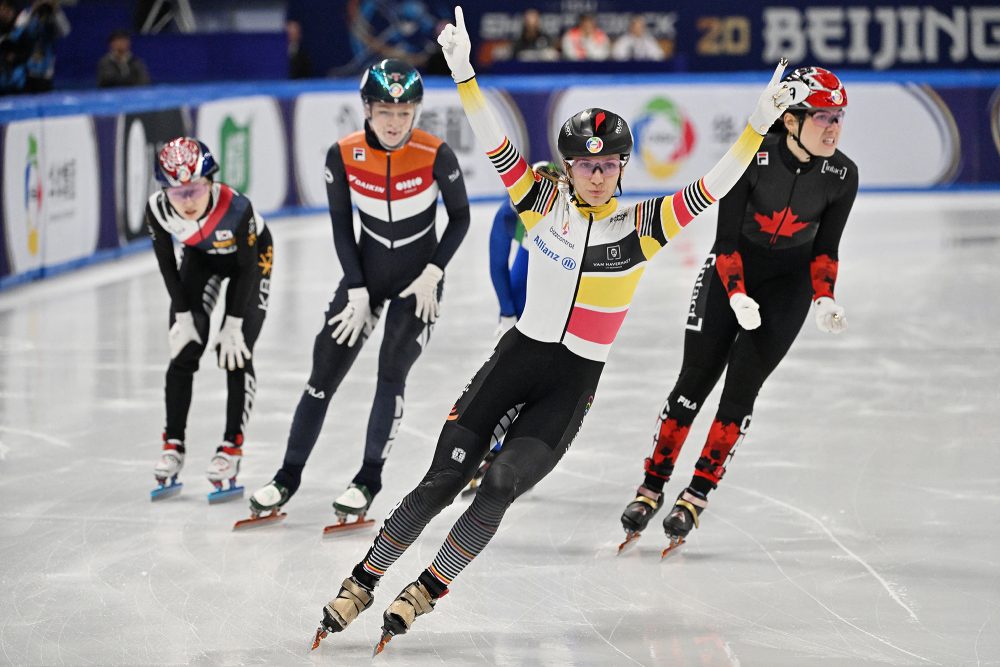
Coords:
782,223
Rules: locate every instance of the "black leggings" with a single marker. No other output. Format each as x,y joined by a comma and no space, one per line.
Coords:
406,335
202,289
556,388
714,343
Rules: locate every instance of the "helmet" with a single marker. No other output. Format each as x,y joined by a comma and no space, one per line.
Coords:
595,132
825,89
182,160
546,167
393,82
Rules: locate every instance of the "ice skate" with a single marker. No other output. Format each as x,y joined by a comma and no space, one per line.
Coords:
225,465
339,612
478,478
265,506
355,501
166,470
682,518
414,601
638,514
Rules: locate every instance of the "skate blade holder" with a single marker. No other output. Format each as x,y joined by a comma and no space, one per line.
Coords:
675,543
343,525
164,490
320,636
222,495
260,520
630,538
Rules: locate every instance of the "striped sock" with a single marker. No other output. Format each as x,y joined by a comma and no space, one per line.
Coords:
468,537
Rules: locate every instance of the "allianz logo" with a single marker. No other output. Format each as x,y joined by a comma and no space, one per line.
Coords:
365,185
409,183
568,263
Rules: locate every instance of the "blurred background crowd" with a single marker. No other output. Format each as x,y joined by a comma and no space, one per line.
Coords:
77,44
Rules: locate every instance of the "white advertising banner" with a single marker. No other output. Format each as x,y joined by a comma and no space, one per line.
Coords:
323,118
898,135
50,191
247,136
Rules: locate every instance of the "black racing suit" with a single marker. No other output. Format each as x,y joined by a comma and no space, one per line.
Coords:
396,195
778,235
229,241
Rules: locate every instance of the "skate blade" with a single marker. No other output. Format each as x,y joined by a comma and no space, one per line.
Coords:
320,635
254,521
165,491
630,538
675,542
386,637
346,526
225,495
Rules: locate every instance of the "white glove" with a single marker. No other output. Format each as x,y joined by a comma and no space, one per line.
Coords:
457,47
747,310
506,322
775,99
425,289
830,317
233,350
356,318
181,333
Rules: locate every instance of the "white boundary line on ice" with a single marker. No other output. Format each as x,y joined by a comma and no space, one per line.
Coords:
833,538
34,434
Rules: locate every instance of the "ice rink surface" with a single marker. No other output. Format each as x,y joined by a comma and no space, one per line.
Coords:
859,523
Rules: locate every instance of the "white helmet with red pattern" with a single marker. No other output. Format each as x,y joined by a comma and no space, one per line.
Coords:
183,160
825,89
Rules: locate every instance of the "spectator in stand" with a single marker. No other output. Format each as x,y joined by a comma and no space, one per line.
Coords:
299,65
637,43
586,41
14,50
533,44
119,67
43,23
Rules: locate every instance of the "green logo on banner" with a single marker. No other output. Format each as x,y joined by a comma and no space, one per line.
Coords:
33,193
235,154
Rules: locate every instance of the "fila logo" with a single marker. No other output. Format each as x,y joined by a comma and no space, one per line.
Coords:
409,183
762,158
315,393
458,454
690,405
359,155
224,234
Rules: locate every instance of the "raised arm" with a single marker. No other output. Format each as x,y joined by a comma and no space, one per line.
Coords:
532,196
677,210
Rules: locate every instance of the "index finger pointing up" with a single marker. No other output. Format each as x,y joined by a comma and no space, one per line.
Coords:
460,18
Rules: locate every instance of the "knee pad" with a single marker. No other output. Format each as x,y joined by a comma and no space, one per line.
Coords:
439,489
500,484
188,360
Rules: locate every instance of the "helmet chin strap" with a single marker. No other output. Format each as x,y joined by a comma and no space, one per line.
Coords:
799,141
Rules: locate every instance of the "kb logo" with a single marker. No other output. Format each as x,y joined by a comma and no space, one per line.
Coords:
569,263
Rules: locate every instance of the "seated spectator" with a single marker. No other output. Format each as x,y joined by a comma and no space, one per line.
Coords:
585,41
13,51
43,23
119,67
299,65
533,44
637,43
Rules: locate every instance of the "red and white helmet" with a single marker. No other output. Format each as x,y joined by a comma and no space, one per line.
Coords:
825,89
183,160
